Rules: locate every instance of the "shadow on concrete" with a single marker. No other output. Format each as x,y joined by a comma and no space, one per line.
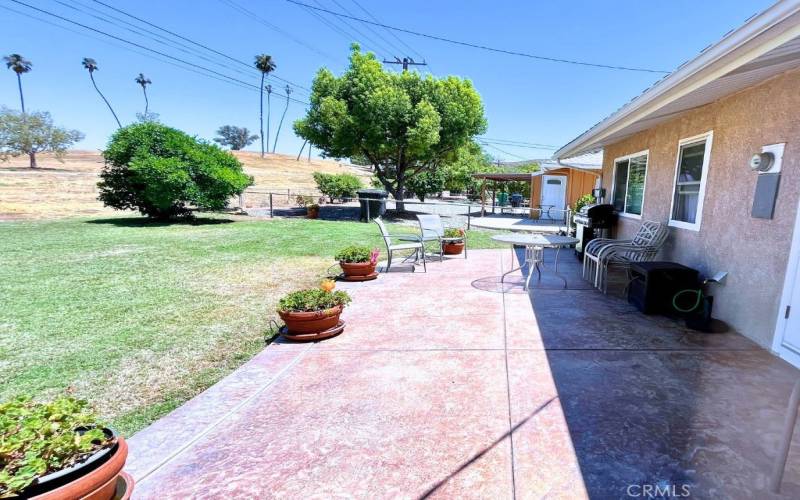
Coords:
650,402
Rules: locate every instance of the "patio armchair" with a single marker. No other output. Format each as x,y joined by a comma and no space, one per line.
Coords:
412,242
432,229
602,253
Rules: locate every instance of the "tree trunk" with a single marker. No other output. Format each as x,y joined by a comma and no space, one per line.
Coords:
280,124
21,98
146,102
261,112
119,124
32,156
269,113
400,195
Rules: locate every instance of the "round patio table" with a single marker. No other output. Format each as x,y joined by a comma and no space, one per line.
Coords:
534,251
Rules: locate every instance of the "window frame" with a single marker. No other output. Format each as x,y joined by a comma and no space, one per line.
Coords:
646,154
708,137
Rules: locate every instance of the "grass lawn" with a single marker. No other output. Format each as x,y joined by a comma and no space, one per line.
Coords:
139,317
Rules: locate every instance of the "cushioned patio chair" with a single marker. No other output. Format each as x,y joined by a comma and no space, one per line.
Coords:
601,253
412,242
432,229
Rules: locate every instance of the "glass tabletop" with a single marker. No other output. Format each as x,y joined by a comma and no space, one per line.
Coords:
544,240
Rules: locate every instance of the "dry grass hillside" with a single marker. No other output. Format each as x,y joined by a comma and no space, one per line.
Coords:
69,189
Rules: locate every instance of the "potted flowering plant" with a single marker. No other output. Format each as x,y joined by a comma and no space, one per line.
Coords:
358,262
57,450
455,243
313,314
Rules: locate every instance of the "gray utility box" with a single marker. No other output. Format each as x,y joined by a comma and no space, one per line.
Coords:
373,203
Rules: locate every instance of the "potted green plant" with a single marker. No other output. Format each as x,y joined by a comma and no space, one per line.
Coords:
312,211
313,314
358,262
59,449
456,245
307,202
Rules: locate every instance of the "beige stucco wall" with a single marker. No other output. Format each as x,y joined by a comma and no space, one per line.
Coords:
753,251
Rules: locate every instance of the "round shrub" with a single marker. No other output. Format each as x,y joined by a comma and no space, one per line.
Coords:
163,172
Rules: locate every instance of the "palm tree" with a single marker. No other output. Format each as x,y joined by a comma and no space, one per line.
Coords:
144,82
91,65
280,124
265,65
269,110
18,65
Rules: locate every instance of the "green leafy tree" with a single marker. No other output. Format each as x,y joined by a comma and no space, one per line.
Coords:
144,82
265,65
521,187
403,123
30,133
470,159
18,65
427,182
339,186
234,137
162,172
91,66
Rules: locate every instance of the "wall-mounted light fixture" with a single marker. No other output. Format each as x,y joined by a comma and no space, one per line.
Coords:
767,164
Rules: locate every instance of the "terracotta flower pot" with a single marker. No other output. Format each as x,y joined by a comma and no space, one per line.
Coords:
453,247
100,483
310,322
358,270
312,212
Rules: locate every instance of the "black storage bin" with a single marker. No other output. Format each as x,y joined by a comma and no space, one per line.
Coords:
655,284
373,203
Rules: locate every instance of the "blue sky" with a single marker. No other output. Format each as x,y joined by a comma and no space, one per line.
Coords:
525,100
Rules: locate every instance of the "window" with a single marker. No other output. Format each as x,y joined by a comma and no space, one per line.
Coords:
629,177
690,176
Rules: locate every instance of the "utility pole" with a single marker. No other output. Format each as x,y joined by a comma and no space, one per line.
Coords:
406,62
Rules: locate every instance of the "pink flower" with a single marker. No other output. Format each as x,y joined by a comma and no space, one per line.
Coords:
373,256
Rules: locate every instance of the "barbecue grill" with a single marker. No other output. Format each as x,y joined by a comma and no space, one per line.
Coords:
593,221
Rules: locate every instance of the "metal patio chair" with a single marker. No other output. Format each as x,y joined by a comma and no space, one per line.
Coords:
413,242
601,253
432,229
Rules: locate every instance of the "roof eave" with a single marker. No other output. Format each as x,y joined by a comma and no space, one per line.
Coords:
736,49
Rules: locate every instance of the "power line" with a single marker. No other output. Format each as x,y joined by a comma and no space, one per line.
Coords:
329,24
193,42
504,152
391,47
81,33
509,142
348,29
148,49
387,30
477,46
158,38
249,13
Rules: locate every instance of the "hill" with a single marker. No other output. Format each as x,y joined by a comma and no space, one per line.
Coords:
69,189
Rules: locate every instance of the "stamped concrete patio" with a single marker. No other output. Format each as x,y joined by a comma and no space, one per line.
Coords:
448,385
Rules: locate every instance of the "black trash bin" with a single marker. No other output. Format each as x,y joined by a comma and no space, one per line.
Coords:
516,200
373,203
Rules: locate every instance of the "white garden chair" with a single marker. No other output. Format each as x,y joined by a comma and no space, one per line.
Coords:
414,242
601,253
432,229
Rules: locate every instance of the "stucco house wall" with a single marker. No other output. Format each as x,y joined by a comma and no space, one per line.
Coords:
753,251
